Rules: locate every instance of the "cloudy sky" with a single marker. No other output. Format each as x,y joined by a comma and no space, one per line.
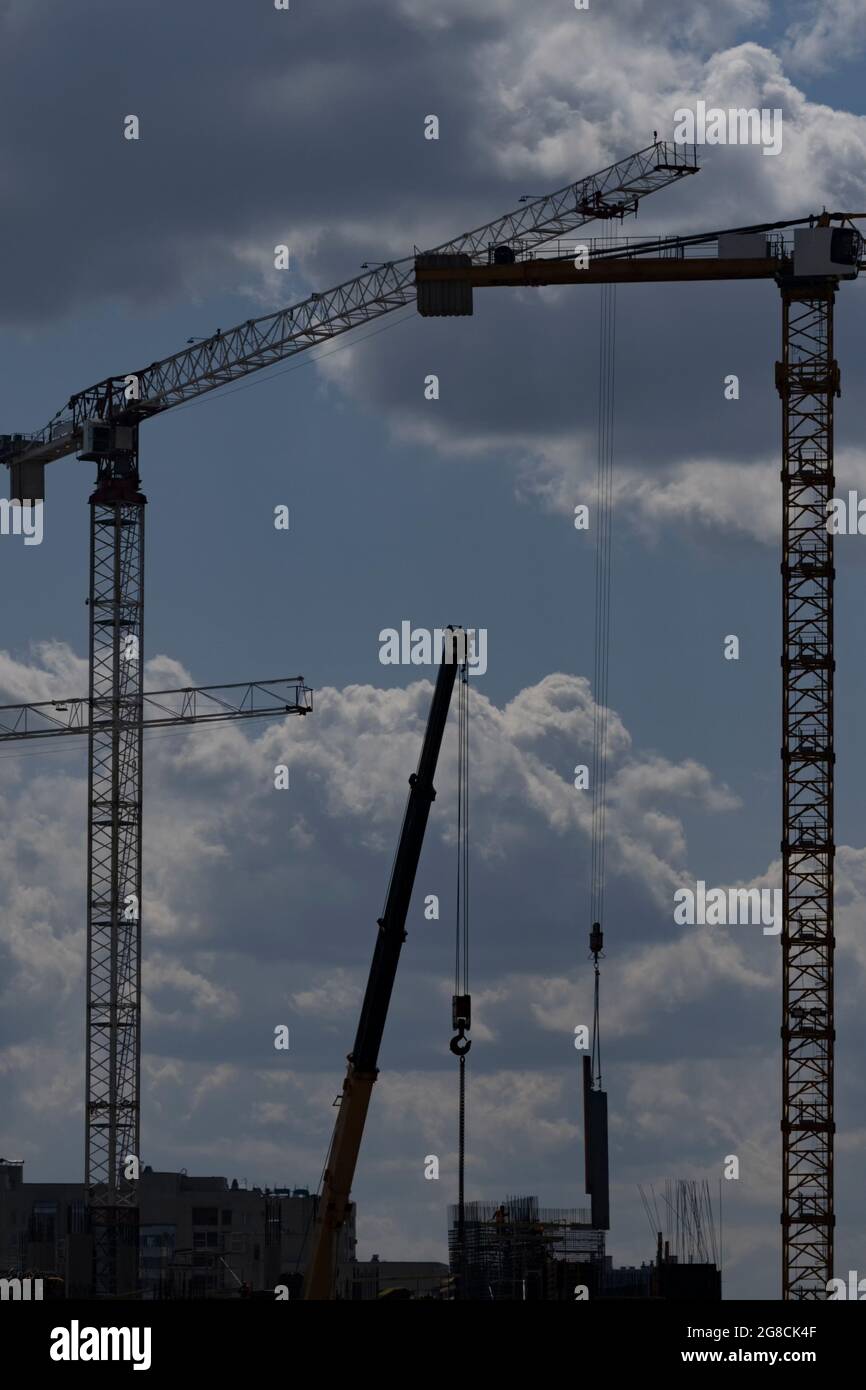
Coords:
306,127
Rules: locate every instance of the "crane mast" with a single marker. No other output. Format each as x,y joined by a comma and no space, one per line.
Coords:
808,380
116,609
363,1059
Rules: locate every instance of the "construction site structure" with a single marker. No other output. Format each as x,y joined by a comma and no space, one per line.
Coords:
523,248
515,1250
101,424
825,250
688,1249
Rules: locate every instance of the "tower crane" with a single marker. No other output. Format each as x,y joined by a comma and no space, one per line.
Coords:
826,249
101,424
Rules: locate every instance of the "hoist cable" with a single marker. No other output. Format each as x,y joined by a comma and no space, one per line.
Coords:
464,691
461,940
461,1174
601,671
460,1044
604,533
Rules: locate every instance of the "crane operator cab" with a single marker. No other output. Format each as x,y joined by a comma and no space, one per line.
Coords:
825,251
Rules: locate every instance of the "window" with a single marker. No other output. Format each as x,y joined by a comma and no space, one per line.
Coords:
43,1219
227,1216
76,1217
156,1238
205,1216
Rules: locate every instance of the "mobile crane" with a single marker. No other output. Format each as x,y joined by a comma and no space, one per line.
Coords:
363,1059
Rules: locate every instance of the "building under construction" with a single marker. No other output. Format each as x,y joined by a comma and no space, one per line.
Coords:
518,1250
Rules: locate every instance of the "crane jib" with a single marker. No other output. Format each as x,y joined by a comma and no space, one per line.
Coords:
225,357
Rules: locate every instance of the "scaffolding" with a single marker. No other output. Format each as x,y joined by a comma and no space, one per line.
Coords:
518,1250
